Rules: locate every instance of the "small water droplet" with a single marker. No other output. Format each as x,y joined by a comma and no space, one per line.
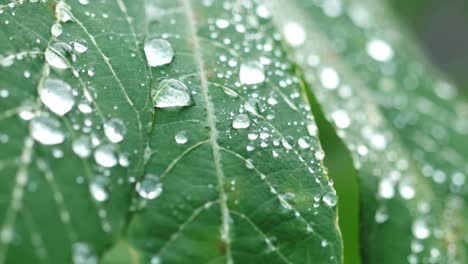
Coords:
181,137
222,23
241,121
57,55
80,46
330,199
158,52
406,190
46,130
155,260
381,215
115,130
56,29
251,72
379,50
57,96
98,191
294,33
386,188
329,78
105,156
304,142
341,118
171,93
82,253
420,229
150,187
82,147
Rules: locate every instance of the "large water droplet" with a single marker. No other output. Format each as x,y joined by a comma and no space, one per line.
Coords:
330,199
150,187
158,52
47,130
171,93
115,130
83,254
57,55
251,72
56,29
57,96
181,137
105,156
82,147
241,121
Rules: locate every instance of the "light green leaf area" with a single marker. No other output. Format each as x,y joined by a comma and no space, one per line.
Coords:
403,123
233,174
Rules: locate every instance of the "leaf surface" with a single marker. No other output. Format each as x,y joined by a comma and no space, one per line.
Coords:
402,121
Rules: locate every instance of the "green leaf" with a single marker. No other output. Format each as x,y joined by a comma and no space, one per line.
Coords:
403,123
233,175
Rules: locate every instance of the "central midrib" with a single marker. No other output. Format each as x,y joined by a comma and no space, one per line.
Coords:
212,125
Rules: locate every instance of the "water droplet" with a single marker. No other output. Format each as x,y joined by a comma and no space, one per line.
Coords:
7,234
406,190
386,188
98,191
181,137
171,93
304,142
294,34
379,50
319,154
80,46
381,215
56,29
57,55
241,121
324,243
158,52
329,78
251,72
222,23
46,130
420,229
57,96
82,147
330,199
63,12
115,130
150,187
4,93
341,118
83,254
155,260
105,156
249,164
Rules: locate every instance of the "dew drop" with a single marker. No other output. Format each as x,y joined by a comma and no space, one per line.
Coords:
80,46
57,55
158,52
115,130
171,93
379,50
57,96
105,156
386,188
83,254
150,187
420,229
294,34
181,137
329,78
56,29
241,121
82,147
46,130
381,215
98,191
330,199
406,190
341,118
251,72
304,142
222,23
